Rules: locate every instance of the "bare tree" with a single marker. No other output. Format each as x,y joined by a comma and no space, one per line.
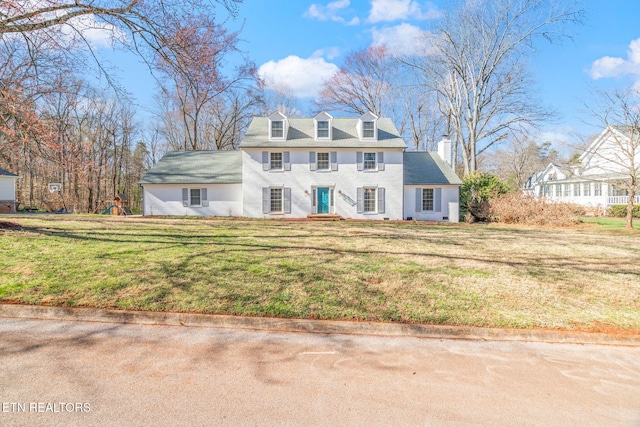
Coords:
518,159
479,68
617,152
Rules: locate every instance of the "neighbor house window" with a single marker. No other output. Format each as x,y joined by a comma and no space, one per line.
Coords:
369,161
597,189
323,129
194,197
369,199
276,160
368,129
576,190
566,190
276,200
277,129
323,161
587,189
427,199
558,190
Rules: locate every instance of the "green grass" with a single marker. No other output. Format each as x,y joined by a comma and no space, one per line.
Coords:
611,224
582,278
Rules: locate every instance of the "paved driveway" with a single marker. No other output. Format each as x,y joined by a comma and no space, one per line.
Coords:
74,373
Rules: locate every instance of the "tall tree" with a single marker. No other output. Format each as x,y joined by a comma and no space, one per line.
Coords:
479,68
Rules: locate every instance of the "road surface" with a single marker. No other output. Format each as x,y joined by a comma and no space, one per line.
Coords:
75,373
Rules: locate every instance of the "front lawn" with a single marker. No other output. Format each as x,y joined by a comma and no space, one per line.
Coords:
580,278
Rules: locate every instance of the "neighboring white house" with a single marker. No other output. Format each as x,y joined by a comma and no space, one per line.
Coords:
7,191
596,180
295,168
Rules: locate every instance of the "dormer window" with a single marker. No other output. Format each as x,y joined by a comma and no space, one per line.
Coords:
278,126
323,125
368,130
323,129
368,127
277,129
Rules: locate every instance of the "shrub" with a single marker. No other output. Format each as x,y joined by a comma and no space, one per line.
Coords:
520,208
620,211
475,193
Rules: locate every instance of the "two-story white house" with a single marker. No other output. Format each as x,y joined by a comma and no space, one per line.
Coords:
353,168
597,179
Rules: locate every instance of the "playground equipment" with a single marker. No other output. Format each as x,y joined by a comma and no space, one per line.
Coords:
120,206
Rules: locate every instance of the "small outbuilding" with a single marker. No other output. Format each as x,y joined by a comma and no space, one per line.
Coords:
8,191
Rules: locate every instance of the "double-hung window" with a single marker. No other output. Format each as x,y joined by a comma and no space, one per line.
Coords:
586,189
368,130
576,190
427,199
597,189
276,200
277,129
276,161
194,197
323,161
369,161
369,199
323,129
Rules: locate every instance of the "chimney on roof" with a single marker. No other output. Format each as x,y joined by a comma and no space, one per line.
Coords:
444,149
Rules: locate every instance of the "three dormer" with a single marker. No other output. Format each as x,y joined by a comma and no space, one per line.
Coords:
323,126
278,126
367,127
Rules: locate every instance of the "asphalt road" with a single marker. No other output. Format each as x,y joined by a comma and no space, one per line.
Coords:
75,373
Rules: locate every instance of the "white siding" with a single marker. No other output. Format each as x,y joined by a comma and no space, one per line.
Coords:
7,188
345,181
166,199
450,193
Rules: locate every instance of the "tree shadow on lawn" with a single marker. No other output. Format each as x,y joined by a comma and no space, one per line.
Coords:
242,243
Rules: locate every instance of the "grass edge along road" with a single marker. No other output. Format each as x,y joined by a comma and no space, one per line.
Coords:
577,279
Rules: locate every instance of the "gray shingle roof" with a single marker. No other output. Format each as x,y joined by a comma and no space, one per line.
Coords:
422,168
301,135
4,172
196,167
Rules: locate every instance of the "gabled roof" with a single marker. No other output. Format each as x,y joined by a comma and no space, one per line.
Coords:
196,167
4,172
301,135
423,168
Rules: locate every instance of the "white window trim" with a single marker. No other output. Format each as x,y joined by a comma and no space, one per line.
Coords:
283,130
375,200
364,162
328,168
281,168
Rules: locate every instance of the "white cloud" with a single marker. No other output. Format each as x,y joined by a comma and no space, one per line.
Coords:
608,66
98,34
403,39
331,12
329,53
303,77
394,10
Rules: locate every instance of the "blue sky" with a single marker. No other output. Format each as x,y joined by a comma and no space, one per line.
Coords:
302,42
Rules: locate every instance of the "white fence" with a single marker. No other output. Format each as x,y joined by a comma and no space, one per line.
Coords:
622,200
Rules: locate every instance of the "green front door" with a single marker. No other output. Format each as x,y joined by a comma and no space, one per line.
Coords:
323,200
